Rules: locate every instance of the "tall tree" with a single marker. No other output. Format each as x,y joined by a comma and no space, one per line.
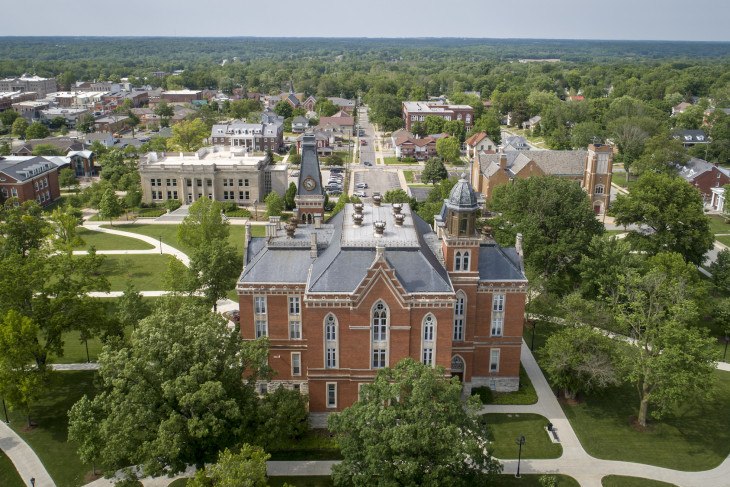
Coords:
410,427
283,109
668,360
131,308
214,269
244,468
19,127
673,212
188,135
192,402
605,259
291,193
274,204
109,206
67,178
37,131
434,171
84,421
449,149
204,223
556,221
165,111
283,418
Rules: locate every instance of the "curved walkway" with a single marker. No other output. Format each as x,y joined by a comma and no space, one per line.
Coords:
24,458
166,249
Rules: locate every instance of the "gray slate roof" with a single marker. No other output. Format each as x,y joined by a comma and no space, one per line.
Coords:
22,168
462,196
497,263
556,163
695,167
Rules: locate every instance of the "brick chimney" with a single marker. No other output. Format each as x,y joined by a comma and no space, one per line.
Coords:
503,161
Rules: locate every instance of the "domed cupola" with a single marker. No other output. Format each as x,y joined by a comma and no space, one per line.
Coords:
461,208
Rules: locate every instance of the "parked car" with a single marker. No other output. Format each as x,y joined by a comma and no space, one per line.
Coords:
334,191
367,163
361,185
294,174
363,142
361,194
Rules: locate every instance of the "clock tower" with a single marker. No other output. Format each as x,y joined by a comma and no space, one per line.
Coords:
310,193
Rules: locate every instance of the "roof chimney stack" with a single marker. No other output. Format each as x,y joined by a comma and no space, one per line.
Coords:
503,161
313,245
317,221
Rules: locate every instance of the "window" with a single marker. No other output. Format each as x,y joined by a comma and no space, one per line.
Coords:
599,189
188,183
494,360
14,191
457,261
260,328
245,182
259,305
174,194
225,182
461,260
5,193
152,182
331,362
296,363
602,166
380,322
428,356
247,197
169,195
167,182
498,302
330,326
428,325
459,318
174,182
36,185
378,358
45,181
295,330
262,388
199,182
331,394
240,195
240,182
497,326
294,305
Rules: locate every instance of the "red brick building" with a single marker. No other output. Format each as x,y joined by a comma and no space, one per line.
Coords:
704,176
417,111
375,284
29,178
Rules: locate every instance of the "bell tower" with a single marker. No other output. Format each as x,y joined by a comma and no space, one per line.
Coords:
460,239
310,193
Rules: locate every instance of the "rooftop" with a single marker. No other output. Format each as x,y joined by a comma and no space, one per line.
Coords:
364,235
206,156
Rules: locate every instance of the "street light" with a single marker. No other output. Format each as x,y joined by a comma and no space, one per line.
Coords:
532,341
520,441
160,244
7,421
727,340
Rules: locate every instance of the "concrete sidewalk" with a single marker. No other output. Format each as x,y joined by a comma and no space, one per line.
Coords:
24,458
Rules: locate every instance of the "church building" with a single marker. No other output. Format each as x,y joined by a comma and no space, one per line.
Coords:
374,284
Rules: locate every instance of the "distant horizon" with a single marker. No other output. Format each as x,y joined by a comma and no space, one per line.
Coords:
630,20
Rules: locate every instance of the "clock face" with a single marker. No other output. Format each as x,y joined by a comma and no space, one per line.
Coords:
309,184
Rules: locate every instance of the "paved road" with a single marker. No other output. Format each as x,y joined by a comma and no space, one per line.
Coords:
367,152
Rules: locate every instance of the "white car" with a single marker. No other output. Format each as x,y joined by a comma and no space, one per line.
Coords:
360,194
361,185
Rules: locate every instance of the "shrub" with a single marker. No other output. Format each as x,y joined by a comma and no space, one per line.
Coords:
241,212
228,206
485,394
408,159
172,205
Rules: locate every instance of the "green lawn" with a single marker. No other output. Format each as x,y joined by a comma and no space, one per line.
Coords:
393,161
178,483
316,445
694,436
106,241
144,271
615,232
619,481
50,439
506,428
8,474
526,394
302,481
718,225
724,240
409,176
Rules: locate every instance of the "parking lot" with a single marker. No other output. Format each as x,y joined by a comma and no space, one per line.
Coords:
377,180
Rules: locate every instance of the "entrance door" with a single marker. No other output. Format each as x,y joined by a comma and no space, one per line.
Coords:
457,367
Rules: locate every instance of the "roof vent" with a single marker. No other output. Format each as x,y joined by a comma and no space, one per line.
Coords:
357,219
397,207
379,228
290,230
399,217
358,209
377,199
486,232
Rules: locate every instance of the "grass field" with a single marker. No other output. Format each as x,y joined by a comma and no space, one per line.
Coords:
725,239
526,394
694,436
8,474
50,439
106,241
393,161
316,445
409,176
145,271
619,481
507,428
718,225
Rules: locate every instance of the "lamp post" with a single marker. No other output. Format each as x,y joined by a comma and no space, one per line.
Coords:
160,237
520,441
727,340
255,211
7,421
532,340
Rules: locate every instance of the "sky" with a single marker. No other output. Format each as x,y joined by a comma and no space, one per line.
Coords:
696,20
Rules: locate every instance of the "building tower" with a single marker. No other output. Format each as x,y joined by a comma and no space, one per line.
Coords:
458,229
310,193
597,177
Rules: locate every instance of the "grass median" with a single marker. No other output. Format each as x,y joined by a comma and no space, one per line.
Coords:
506,428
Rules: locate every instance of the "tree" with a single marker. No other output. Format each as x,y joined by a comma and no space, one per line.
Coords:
67,178
7,117
22,381
283,418
86,124
555,219
133,198
192,402
581,359
662,154
672,210
283,109
46,150
274,204
295,159
204,223
409,427
83,428
325,108
246,468
433,124
164,110
109,205
214,267
188,135
435,199
132,120
19,127
291,192
629,139
489,124
720,269
37,131
58,122
131,308
667,361
605,259
434,171
449,149
5,149
397,196
65,222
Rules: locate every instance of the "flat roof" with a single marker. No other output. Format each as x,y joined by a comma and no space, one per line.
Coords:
364,235
208,156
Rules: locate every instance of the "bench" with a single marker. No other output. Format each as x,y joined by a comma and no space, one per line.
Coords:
553,434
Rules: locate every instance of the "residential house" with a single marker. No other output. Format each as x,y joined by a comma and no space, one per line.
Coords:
342,299
220,173
397,134
704,176
531,123
29,178
63,144
343,120
106,139
419,149
343,103
111,123
680,108
321,139
515,143
690,137
417,111
299,124
249,137
480,143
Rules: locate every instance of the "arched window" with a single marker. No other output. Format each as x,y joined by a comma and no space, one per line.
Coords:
461,260
459,315
304,218
330,341
457,261
599,189
465,261
380,322
428,343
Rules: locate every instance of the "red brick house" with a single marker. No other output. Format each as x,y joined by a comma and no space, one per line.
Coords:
704,176
375,284
29,178
417,111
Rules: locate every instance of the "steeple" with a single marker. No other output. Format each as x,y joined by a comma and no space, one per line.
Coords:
291,87
310,193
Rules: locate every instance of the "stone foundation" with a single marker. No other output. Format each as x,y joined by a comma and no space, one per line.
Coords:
273,385
318,420
498,384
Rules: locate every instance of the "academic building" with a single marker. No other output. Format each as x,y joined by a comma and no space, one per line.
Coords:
375,284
